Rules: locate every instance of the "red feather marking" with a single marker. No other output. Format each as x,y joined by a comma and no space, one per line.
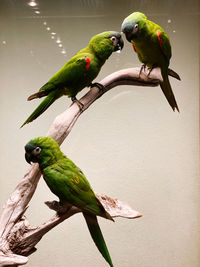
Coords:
134,48
87,60
159,39
159,34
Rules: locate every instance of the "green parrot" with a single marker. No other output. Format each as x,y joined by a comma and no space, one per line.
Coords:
153,48
78,72
69,183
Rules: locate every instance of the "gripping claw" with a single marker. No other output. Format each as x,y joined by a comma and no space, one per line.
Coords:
99,86
80,105
143,67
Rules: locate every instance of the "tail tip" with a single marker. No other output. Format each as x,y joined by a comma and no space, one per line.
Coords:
30,98
176,108
26,122
22,125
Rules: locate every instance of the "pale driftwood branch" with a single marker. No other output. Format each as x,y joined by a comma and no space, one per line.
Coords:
16,235
29,237
63,123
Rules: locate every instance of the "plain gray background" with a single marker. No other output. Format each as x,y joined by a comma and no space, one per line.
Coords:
130,144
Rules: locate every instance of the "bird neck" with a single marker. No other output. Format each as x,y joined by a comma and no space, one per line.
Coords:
49,158
100,52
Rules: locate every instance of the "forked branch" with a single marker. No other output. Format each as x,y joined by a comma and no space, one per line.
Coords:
16,235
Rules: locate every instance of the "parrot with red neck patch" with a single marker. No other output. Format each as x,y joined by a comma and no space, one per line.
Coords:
153,49
78,72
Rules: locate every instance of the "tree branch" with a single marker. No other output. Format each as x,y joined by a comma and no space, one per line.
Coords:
16,235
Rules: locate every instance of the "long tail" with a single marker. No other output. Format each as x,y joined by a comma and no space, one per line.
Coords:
173,74
167,90
97,236
52,96
44,91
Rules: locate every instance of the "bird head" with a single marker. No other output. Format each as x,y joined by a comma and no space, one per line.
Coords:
43,150
133,25
116,41
103,44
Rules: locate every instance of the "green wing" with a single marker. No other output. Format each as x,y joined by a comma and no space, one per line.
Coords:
164,43
74,68
69,183
76,74
159,38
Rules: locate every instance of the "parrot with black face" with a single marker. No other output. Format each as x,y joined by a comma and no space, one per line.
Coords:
69,184
78,72
153,49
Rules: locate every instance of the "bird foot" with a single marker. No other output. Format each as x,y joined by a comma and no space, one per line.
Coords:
99,86
75,100
59,207
150,70
63,208
53,205
143,67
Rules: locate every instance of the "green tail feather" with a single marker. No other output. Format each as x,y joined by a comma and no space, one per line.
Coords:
167,90
42,107
97,236
173,74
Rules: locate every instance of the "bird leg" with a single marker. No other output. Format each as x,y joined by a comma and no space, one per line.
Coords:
80,105
143,67
53,205
59,207
150,69
99,86
64,208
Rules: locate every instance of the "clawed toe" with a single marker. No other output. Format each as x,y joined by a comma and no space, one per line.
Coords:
80,105
143,67
98,85
150,70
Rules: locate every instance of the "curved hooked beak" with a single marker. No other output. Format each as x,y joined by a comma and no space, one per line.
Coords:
119,45
129,35
29,155
30,158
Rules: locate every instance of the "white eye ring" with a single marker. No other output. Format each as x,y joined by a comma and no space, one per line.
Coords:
136,26
36,151
113,38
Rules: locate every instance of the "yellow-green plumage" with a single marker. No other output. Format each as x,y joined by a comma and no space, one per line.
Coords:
69,183
78,72
153,48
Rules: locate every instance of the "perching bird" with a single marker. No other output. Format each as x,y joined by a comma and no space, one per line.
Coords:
78,72
153,48
69,183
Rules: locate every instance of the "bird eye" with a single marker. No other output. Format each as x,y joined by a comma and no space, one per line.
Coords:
135,29
37,150
113,38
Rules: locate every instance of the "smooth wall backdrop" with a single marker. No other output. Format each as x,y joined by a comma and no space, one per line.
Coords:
130,144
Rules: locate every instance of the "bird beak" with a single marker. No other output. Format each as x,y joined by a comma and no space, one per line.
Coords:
119,45
28,157
128,35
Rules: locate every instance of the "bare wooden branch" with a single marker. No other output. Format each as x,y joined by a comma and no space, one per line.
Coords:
24,243
11,259
64,122
16,235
